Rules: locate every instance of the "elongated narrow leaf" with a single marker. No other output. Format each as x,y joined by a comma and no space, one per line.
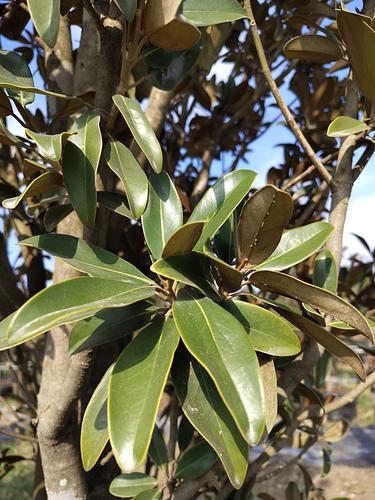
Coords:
224,241
135,389
158,450
16,75
80,163
87,258
115,202
268,332
314,48
109,325
220,343
5,342
317,297
296,245
262,222
342,126
269,381
51,146
227,276
46,19
212,12
195,462
220,201
128,8
163,215
206,411
325,271
153,494
191,269
141,130
183,240
330,342
125,166
94,428
129,485
55,215
358,33
70,301
45,183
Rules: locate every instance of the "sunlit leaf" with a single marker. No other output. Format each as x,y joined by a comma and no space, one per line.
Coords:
325,271
211,12
342,126
129,485
16,75
51,146
46,19
269,381
45,183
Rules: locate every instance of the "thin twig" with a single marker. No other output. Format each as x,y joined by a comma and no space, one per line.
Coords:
309,170
280,101
22,437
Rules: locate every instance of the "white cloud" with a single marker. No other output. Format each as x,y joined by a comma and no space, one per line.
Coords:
360,220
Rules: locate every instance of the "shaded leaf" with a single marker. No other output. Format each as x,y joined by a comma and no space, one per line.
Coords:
220,343
55,215
220,201
262,222
153,494
206,411
5,105
183,239
45,183
125,166
158,450
325,271
163,214
109,325
94,428
80,163
195,462
269,382
70,301
16,75
268,332
211,12
330,342
128,8
51,146
129,485
317,297
296,245
312,48
115,202
46,19
185,432
227,276
141,130
342,126
88,258
335,431
135,389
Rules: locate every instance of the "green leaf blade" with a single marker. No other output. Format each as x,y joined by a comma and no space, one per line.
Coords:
129,485
211,12
46,19
195,462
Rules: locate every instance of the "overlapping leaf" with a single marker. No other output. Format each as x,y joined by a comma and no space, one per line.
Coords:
342,126
115,202
46,19
51,146
211,12
313,48
45,183
16,75
325,271
129,485
195,462
183,240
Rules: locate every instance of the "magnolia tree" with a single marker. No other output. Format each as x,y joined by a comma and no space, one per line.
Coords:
188,318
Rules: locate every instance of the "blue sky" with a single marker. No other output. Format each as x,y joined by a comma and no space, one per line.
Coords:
265,154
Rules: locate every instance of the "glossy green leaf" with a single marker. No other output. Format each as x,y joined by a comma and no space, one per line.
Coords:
128,8
70,301
227,276
195,462
135,389
115,202
212,12
325,271
262,222
330,342
296,245
109,325
129,485
46,19
45,183
185,432
51,146
15,74
141,130
153,494
163,214
224,240
269,382
94,428
191,269
313,48
220,343
5,342
183,240
204,408
167,68
268,332
55,215
357,31
342,126
88,258
80,163
220,201
317,297
158,450
125,166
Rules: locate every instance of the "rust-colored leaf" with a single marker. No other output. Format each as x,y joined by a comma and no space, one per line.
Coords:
313,48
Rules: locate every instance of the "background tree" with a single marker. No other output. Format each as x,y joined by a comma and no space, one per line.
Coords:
234,350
